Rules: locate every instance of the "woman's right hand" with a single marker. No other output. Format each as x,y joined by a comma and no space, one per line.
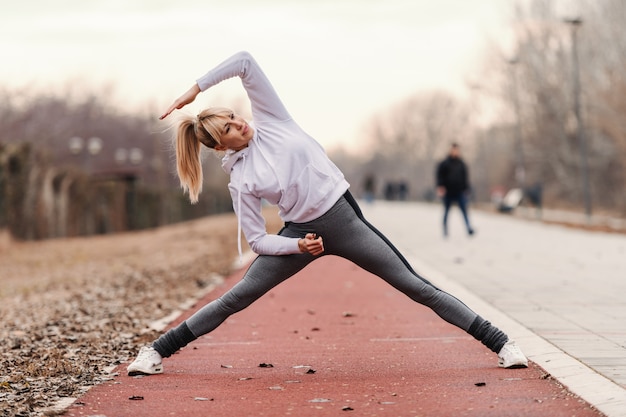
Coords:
182,101
312,244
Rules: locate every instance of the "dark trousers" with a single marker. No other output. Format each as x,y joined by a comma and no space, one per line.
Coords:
461,200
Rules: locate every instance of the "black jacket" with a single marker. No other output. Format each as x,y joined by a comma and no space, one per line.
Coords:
452,173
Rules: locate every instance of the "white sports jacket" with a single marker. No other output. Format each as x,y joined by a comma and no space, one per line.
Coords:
282,164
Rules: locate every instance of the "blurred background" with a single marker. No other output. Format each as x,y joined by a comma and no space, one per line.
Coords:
534,92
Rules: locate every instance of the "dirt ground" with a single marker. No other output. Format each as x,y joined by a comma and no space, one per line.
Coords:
71,309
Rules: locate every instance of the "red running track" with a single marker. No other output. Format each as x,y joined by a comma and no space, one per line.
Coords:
340,341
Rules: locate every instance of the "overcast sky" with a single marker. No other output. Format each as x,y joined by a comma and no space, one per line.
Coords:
333,62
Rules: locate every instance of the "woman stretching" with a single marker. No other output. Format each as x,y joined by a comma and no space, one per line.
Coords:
275,160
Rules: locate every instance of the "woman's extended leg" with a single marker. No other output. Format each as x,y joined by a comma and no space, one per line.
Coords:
355,239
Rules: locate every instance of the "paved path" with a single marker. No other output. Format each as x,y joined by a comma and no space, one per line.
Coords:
563,286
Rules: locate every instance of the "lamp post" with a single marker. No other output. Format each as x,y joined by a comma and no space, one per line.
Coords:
92,146
520,166
133,156
86,149
574,24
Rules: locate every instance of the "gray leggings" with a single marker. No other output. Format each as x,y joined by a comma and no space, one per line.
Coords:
346,234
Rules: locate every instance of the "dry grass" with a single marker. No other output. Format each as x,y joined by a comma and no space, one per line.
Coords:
72,308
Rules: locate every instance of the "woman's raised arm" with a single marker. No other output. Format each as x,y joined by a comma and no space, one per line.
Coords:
188,97
263,98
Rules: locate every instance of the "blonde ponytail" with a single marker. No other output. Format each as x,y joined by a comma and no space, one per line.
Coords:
188,164
193,132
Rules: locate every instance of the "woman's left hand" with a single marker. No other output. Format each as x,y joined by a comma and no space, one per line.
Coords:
188,97
311,244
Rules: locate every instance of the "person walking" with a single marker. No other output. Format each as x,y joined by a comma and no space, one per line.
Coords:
453,186
273,159
369,188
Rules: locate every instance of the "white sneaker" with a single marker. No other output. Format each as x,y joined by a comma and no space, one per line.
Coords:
148,362
511,356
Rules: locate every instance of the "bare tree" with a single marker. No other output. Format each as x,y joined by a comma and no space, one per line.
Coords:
542,79
73,163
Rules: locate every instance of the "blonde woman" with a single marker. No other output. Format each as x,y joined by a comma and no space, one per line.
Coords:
275,160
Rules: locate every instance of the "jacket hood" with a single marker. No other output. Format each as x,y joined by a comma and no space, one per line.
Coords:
231,157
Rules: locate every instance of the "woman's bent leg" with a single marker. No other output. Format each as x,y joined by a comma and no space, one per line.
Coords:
364,245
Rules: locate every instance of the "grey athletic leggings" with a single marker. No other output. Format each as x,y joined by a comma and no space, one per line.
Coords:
347,234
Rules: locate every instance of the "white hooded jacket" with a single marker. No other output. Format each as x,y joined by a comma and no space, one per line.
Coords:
282,164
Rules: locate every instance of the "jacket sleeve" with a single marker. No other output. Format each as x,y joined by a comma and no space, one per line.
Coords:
266,105
440,174
466,176
253,226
